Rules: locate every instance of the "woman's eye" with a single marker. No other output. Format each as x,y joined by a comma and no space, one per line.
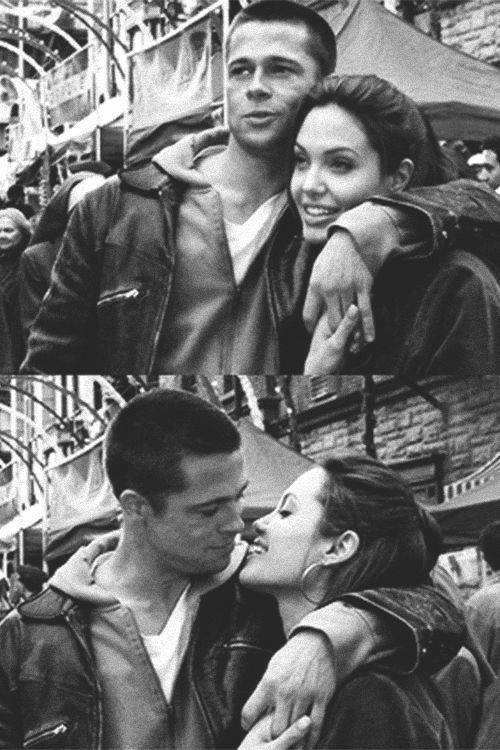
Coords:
299,159
341,165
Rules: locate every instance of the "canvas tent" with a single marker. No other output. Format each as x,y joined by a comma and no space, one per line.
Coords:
461,520
460,94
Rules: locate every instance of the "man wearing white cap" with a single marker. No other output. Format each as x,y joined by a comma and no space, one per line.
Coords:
486,164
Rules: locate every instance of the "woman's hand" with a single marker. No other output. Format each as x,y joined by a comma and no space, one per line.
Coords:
327,352
259,737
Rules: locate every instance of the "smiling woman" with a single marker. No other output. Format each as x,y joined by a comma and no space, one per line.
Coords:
357,138
350,525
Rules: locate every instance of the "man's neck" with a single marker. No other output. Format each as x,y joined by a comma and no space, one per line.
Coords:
243,180
138,580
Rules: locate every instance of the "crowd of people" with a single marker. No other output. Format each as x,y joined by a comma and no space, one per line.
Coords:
333,628
324,231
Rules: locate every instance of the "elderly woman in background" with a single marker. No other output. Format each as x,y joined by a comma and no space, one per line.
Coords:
15,233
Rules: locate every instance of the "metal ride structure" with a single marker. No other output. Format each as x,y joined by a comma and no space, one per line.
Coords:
30,441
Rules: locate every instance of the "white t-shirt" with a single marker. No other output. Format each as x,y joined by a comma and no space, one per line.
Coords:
245,240
164,649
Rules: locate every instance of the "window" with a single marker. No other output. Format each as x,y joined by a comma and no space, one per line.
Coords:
323,386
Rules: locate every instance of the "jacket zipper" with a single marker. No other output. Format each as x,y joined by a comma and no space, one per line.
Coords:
129,294
46,734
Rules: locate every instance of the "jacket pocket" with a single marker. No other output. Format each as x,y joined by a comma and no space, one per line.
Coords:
118,296
48,737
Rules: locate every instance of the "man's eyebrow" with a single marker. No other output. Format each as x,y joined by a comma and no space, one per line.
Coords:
223,498
270,59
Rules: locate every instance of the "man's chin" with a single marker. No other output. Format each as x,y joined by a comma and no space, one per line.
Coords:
261,144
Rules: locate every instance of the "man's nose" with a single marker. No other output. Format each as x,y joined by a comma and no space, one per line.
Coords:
233,522
257,86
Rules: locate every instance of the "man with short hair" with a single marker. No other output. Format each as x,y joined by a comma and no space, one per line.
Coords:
487,163
193,264
144,639
483,607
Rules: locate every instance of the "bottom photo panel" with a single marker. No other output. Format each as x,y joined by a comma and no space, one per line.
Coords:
251,562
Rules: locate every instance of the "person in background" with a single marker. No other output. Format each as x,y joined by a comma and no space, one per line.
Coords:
462,683
486,163
38,259
15,233
483,607
16,199
27,581
5,603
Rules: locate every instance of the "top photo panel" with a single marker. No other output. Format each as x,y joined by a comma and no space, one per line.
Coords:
270,187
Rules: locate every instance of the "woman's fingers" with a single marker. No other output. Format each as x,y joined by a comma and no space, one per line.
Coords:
328,349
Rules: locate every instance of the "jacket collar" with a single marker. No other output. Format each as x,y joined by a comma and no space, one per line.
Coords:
173,162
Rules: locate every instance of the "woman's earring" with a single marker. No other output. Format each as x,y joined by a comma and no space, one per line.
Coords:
303,582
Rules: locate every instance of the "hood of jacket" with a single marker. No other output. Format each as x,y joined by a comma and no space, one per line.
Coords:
178,160
75,577
54,217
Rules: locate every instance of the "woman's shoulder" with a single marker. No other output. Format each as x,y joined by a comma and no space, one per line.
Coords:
381,709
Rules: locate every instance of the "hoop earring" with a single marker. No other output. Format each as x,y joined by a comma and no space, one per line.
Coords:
303,580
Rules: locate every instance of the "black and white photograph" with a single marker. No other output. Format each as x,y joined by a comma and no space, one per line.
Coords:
250,374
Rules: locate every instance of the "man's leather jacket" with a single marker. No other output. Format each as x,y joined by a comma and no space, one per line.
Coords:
49,690
112,280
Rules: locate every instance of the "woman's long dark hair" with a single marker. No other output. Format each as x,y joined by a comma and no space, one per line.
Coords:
399,541
394,124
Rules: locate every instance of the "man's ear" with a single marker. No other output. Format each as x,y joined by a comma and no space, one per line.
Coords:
134,505
400,178
343,548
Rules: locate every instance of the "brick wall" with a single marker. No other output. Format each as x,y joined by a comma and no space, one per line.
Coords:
474,28
466,430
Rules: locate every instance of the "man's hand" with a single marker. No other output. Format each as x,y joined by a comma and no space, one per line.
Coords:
328,350
299,680
339,278
260,737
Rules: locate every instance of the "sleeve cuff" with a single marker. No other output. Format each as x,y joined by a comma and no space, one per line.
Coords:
354,635
382,231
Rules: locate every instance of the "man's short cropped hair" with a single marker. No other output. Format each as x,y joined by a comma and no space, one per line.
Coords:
489,544
147,440
322,45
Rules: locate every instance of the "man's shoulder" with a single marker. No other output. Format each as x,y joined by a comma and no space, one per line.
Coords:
49,604
147,178
41,251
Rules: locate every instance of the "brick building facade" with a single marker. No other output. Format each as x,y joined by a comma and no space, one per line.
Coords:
471,26
436,431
